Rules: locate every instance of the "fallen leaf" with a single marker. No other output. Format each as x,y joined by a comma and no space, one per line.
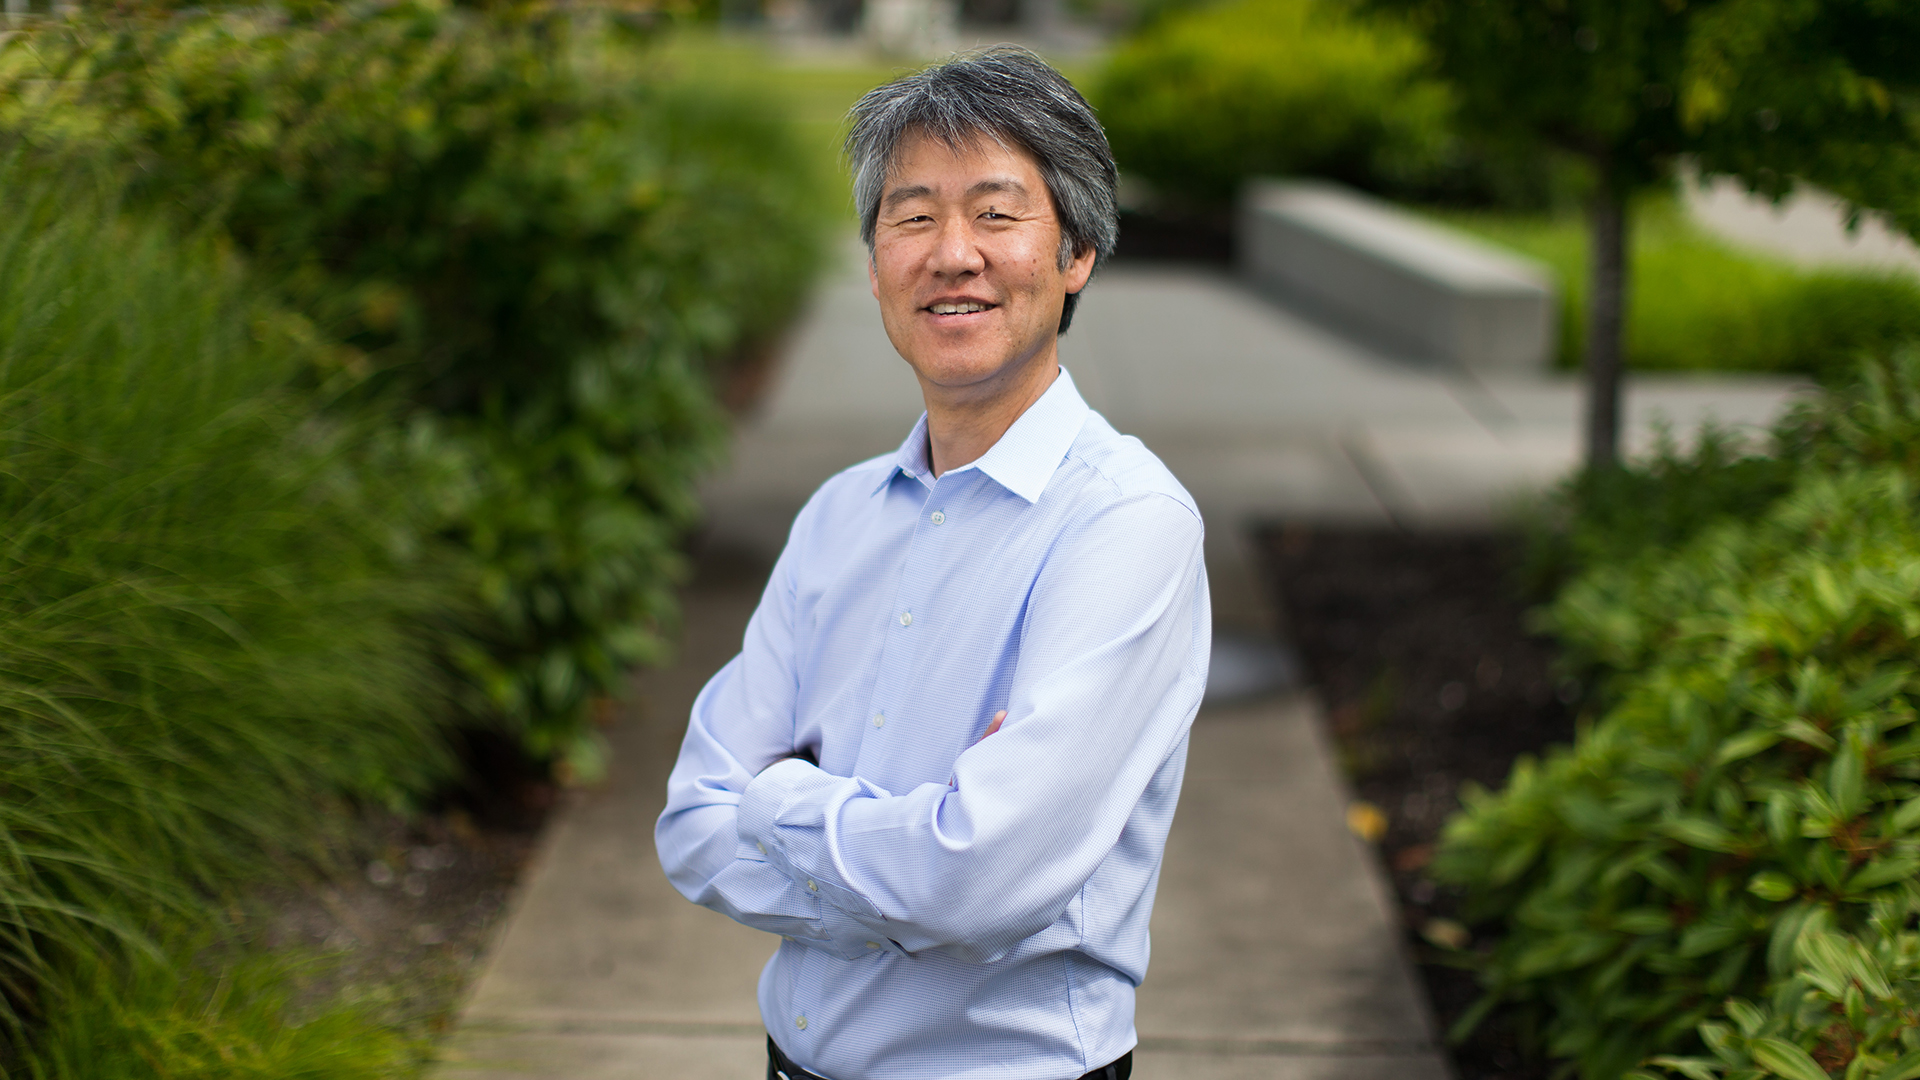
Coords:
1409,859
1367,821
1446,934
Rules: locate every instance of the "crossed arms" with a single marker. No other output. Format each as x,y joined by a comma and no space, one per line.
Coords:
1111,664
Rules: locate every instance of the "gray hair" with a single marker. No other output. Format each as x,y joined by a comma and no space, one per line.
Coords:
1012,96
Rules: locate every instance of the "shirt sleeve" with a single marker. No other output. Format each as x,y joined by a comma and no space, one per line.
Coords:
742,721
1112,668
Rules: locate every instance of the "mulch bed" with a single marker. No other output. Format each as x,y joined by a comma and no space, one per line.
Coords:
1418,645
412,902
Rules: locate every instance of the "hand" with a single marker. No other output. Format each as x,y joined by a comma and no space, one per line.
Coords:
998,719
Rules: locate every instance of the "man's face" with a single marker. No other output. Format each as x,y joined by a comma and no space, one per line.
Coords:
966,262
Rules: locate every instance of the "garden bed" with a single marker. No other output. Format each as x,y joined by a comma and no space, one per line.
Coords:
412,924
409,913
1417,644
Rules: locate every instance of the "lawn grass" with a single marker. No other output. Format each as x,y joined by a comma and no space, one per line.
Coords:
1697,303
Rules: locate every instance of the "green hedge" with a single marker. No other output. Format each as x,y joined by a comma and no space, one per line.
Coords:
1201,100
1753,780
211,590
535,237
1207,98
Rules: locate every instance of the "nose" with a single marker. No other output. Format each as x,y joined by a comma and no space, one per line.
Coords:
956,254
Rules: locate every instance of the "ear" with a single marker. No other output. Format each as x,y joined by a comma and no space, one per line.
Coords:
1081,269
873,276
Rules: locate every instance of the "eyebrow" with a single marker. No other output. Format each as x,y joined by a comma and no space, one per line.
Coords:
1006,185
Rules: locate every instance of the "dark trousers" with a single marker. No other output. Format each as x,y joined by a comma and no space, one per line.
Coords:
780,1068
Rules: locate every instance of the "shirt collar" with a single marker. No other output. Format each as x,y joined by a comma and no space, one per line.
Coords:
1024,459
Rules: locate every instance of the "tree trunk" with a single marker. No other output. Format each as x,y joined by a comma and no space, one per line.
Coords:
1606,322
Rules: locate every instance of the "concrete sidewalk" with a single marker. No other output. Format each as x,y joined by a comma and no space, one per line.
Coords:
1276,952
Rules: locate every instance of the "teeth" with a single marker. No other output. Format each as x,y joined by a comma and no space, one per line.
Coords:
958,309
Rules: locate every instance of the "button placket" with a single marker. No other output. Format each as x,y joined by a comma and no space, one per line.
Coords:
924,546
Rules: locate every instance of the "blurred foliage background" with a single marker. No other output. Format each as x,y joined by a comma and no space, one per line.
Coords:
357,361
1201,97
1210,96
356,365
529,236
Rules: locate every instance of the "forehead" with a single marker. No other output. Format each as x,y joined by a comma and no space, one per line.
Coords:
922,160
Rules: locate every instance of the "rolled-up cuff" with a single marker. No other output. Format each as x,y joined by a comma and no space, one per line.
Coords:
785,816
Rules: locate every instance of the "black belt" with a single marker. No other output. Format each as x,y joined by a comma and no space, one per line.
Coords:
781,1067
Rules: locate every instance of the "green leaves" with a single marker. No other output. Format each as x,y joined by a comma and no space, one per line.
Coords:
1848,1007
1772,885
1593,77
1700,833
1784,1059
1218,94
1752,776
537,243
1789,88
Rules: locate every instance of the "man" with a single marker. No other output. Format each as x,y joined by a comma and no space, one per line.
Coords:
944,764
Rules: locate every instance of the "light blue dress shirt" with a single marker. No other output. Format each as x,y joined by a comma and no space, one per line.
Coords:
953,906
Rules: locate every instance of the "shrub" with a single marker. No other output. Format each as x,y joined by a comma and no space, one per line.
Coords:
1850,1008
530,231
210,589
1212,96
1757,766
1202,99
1609,516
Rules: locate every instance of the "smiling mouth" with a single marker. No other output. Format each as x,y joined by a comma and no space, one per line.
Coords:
963,307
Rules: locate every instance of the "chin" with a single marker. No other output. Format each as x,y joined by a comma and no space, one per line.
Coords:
952,364
955,372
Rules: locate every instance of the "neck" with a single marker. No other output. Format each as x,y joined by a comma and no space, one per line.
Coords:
964,423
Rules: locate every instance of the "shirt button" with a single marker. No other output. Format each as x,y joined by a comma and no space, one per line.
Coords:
873,944
811,887
800,1022
761,846
906,618
939,517
879,719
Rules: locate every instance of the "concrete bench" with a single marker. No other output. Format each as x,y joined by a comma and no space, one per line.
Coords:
1415,286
